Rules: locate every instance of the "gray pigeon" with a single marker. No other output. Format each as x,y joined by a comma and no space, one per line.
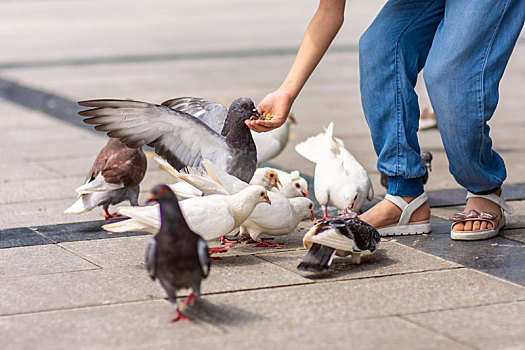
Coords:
114,177
178,136
342,236
176,255
426,161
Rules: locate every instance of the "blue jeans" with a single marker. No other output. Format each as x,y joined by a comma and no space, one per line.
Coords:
464,47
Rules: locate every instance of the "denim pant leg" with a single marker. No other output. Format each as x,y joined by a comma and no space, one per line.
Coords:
392,52
466,62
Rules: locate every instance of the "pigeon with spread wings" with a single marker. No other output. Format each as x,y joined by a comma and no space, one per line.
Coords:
180,137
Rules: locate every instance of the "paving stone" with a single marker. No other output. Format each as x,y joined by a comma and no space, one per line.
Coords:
44,212
75,289
15,174
323,303
120,326
20,237
515,235
500,326
81,231
498,256
234,273
382,333
128,251
40,260
39,190
392,258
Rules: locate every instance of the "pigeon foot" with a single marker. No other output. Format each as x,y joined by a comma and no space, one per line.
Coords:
215,250
108,216
265,243
225,240
181,317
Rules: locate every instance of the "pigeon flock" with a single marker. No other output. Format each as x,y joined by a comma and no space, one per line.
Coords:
217,189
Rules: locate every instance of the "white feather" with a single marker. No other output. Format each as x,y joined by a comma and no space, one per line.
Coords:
338,178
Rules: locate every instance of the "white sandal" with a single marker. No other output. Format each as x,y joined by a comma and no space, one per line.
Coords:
474,215
403,226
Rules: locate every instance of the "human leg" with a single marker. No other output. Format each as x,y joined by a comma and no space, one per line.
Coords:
392,51
465,64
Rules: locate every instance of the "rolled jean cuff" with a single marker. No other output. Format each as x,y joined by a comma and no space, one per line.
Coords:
399,186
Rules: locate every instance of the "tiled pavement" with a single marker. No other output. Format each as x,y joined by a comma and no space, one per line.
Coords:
66,284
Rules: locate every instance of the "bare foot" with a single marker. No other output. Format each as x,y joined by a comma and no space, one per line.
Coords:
480,205
387,213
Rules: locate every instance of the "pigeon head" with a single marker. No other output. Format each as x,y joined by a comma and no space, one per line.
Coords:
299,183
426,159
169,206
272,178
243,108
304,207
351,196
259,192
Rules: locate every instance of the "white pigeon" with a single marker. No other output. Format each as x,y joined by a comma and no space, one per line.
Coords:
210,216
292,184
193,182
338,178
270,144
280,218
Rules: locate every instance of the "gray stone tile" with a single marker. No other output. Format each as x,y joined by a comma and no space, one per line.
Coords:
382,333
119,326
243,272
14,174
39,190
515,235
44,212
40,260
20,237
392,258
499,326
76,289
497,256
128,251
374,297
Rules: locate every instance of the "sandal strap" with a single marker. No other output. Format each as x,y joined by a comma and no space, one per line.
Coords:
499,200
407,209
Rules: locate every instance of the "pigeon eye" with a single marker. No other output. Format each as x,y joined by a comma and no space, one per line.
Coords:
271,175
310,206
245,106
297,185
262,194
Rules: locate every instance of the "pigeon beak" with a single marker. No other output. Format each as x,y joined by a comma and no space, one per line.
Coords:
312,215
305,193
267,199
256,115
152,198
277,182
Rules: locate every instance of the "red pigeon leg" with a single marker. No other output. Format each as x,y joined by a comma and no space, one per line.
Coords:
265,243
181,317
190,300
224,240
106,215
224,249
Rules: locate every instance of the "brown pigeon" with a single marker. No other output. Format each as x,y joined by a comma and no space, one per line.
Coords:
114,177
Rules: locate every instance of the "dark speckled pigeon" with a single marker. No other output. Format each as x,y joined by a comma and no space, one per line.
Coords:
114,177
176,255
178,135
342,236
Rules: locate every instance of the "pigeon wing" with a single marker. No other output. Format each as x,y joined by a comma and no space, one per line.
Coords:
180,138
211,113
151,258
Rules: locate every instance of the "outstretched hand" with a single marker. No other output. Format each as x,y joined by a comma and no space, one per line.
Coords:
278,105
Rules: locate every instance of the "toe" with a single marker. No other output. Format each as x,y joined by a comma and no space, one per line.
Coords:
476,225
483,225
459,226
468,226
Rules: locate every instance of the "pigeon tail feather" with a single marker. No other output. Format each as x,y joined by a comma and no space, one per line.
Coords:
318,258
